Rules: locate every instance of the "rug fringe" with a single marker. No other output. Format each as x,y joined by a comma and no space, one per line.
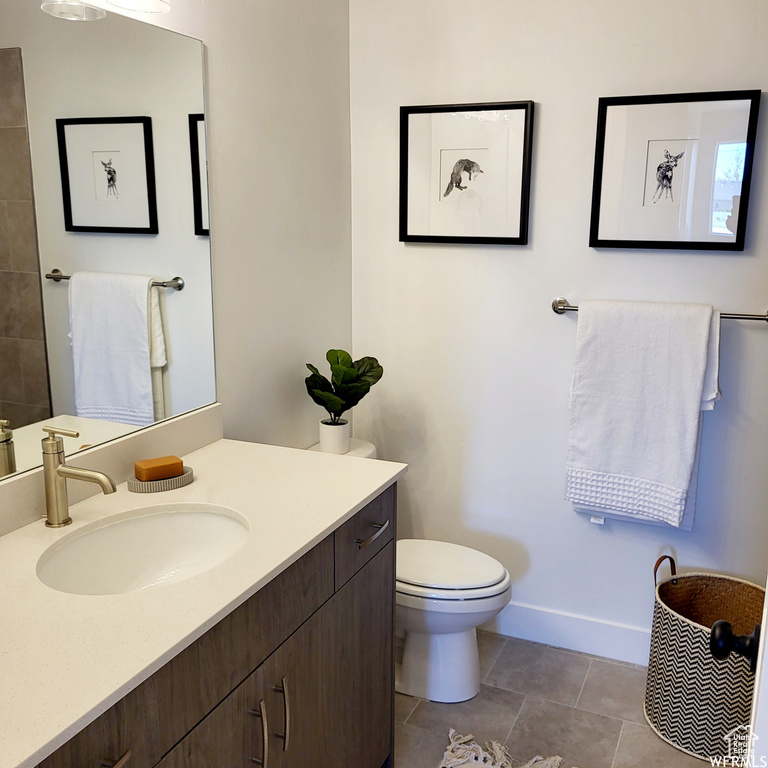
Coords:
463,751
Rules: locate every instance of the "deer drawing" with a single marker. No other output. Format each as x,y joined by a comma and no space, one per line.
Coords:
470,167
111,179
664,174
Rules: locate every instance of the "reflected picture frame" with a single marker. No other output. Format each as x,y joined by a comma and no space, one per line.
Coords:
198,156
465,173
674,171
107,169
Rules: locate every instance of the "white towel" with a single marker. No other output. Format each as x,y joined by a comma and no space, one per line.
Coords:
117,337
636,399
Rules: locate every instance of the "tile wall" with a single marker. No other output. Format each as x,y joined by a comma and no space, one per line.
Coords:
24,390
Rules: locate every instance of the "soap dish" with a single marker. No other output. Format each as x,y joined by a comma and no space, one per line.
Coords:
155,486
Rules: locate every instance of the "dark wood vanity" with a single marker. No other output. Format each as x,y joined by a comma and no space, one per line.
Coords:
301,675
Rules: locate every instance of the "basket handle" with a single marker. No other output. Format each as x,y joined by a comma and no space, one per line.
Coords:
672,566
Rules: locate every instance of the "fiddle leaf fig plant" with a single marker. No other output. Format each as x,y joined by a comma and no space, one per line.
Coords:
350,382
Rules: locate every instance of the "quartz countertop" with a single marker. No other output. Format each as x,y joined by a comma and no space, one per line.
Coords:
65,659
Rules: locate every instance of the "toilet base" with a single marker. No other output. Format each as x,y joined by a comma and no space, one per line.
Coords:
440,667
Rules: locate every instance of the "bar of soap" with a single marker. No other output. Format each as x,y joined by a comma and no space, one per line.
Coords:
158,469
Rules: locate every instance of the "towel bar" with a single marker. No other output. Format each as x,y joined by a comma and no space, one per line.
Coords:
561,305
177,283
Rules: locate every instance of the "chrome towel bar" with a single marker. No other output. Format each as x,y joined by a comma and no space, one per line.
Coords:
561,305
177,283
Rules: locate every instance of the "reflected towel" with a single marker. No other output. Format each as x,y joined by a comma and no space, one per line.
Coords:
636,399
117,336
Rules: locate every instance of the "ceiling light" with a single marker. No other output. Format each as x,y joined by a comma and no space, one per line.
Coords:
72,10
142,6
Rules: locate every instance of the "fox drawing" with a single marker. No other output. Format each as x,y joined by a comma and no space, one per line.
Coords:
469,167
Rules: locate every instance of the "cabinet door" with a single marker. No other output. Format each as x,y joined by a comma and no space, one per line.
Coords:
329,688
296,684
230,736
103,741
363,670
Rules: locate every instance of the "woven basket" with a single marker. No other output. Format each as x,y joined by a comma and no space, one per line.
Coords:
693,700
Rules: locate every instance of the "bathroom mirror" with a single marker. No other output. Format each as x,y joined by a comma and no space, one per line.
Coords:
113,68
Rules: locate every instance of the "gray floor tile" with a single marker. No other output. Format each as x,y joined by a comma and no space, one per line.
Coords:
404,706
539,671
489,647
640,747
417,748
489,716
581,738
614,690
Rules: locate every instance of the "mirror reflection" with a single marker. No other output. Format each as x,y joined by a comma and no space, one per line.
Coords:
52,70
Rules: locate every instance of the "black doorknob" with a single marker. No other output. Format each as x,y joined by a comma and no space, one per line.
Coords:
722,642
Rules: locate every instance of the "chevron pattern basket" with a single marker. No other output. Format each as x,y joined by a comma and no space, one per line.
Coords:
692,700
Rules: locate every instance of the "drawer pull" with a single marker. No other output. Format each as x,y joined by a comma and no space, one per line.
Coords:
121,763
287,703
362,543
262,713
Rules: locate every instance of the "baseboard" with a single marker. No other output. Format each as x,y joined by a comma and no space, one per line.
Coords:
612,640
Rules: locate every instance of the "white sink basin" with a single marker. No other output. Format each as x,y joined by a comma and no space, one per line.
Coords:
142,548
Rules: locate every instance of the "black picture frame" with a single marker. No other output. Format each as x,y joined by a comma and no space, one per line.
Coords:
439,144
648,149
199,168
83,143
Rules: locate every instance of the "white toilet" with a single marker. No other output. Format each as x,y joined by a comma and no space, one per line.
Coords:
443,592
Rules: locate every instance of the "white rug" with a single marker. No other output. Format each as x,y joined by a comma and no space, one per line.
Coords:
464,751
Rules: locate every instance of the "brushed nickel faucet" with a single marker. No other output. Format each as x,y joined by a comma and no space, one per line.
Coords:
7,451
55,474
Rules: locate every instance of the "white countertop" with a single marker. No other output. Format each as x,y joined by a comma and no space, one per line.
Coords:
65,659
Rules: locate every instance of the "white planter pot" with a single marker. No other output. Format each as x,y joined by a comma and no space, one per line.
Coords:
334,438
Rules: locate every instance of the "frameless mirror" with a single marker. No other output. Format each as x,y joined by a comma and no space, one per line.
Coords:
93,74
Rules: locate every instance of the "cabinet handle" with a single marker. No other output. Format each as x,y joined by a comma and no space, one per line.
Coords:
121,763
287,703
362,543
262,713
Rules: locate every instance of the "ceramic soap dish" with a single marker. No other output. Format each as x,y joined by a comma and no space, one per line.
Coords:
155,486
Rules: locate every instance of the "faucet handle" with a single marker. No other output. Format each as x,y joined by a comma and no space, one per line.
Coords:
53,443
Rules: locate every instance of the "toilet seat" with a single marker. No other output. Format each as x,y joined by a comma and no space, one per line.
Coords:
433,593
440,570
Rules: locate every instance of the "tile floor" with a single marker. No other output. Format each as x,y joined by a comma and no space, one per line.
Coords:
539,700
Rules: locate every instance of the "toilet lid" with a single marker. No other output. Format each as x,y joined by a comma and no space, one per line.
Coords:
442,565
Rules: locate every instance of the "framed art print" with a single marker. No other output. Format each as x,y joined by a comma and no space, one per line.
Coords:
465,173
674,171
199,173
108,174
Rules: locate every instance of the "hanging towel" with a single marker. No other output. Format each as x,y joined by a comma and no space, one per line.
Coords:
116,337
636,399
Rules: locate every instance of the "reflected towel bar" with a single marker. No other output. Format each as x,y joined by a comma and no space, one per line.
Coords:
561,305
177,283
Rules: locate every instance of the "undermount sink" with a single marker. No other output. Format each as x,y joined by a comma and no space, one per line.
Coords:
141,548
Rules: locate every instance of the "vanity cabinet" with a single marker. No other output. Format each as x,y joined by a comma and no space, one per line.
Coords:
300,675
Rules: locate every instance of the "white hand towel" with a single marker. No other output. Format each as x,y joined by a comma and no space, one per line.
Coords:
112,338
636,399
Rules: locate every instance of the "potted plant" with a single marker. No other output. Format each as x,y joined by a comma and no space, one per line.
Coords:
350,382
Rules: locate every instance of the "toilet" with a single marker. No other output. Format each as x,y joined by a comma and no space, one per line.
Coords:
444,591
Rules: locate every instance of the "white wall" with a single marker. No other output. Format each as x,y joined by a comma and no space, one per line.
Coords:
110,68
477,366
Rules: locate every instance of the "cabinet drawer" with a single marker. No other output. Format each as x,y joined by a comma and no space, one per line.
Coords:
364,535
